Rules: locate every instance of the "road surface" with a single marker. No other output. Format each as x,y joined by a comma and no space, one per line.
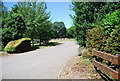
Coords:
38,64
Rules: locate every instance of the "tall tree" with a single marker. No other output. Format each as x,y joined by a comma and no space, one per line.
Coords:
13,26
1,45
71,32
36,19
88,14
59,29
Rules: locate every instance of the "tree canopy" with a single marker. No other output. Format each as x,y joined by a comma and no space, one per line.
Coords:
88,14
26,19
59,29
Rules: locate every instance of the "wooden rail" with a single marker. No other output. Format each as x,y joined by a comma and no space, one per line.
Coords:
111,58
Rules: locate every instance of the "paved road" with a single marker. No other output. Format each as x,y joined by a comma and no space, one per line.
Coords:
39,64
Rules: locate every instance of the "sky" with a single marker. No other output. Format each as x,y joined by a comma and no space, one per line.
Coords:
60,11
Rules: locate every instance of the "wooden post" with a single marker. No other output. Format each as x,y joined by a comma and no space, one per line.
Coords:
118,68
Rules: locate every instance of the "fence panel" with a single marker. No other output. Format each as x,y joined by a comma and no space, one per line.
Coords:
111,58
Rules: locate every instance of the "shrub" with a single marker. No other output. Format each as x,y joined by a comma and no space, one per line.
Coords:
111,22
110,44
20,45
96,39
113,43
106,38
80,33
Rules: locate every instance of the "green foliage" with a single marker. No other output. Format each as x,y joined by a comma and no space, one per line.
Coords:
113,18
88,14
12,45
80,34
4,10
87,21
111,22
13,28
113,43
106,38
27,19
71,32
1,44
96,39
59,30
37,20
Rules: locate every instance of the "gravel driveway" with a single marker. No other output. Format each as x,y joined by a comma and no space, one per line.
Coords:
39,64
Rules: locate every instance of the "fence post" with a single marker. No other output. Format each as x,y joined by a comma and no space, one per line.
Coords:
118,67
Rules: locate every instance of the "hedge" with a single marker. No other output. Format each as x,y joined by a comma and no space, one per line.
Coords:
96,39
113,43
18,45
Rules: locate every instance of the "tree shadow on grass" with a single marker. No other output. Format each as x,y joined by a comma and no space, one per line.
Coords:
52,44
37,46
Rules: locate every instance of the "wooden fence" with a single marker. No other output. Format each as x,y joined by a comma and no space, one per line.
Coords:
115,59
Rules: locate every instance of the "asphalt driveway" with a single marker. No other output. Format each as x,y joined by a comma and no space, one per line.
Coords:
38,64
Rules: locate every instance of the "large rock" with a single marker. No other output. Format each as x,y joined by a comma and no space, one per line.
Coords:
17,46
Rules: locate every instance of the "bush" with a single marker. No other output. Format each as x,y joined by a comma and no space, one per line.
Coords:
106,38
80,34
20,45
96,39
111,22
113,43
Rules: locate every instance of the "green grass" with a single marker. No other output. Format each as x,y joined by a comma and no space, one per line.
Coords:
87,62
37,46
61,40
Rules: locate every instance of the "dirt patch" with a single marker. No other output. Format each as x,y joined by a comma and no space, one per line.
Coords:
78,68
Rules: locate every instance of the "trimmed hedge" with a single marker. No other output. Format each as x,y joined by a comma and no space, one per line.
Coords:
20,45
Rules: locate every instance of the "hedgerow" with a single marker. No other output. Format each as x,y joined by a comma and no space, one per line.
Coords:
13,45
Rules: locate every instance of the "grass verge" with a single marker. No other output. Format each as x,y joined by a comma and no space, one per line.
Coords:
37,46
